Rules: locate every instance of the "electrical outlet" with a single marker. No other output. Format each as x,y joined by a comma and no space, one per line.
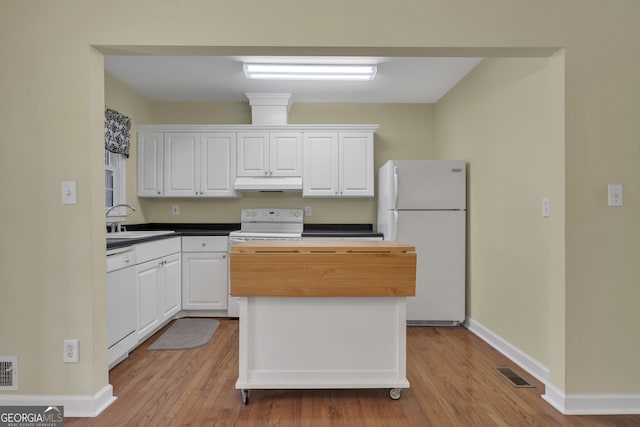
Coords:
175,210
70,351
307,211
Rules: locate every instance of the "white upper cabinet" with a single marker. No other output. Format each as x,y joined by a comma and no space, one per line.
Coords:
186,164
150,164
356,164
285,153
320,164
253,154
338,164
269,154
204,160
217,164
181,164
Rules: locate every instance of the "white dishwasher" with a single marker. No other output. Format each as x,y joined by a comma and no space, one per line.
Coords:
121,303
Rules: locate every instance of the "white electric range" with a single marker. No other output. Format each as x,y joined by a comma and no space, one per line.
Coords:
264,224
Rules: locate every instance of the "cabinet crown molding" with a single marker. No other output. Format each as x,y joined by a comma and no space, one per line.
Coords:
250,128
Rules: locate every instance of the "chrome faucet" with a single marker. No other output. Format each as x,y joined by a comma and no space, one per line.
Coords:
120,205
115,226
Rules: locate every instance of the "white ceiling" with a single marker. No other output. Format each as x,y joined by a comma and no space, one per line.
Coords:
220,78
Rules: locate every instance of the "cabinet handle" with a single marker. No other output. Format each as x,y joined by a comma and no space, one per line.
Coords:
224,256
158,193
266,173
204,244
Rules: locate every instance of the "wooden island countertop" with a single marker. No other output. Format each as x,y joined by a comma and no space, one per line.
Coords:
323,268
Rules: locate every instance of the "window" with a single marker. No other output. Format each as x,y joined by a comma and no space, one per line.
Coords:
114,184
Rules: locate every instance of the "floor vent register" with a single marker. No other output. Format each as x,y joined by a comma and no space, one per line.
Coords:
513,378
8,373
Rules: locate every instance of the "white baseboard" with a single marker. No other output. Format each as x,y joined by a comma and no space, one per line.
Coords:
201,313
592,404
75,405
522,359
567,404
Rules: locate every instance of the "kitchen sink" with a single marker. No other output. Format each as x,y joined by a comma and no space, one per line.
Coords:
137,234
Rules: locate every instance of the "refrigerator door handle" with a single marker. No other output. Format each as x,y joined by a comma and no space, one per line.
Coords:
395,190
394,231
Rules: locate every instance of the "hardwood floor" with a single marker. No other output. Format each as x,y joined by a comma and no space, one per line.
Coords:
451,371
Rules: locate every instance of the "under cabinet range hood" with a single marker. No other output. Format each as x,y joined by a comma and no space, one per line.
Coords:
268,184
269,109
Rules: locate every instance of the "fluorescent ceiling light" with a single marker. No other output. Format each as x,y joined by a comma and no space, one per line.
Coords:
310,71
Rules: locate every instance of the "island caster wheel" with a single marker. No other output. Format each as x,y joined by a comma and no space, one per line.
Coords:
245,396
395,393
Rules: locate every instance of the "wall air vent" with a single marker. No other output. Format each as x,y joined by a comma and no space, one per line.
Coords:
8,373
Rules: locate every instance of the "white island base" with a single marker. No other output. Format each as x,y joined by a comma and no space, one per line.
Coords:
322,342
322,314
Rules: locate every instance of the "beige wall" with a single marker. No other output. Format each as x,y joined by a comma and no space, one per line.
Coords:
506,119
603,130
51,107
123,99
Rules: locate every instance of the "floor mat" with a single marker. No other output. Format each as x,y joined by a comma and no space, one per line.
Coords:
186,333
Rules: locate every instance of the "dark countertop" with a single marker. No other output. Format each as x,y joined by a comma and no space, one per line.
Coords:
181,229
339,230
223,229
123,243
190,229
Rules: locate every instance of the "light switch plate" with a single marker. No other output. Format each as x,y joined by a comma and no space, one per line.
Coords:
69,193
545,207
614,194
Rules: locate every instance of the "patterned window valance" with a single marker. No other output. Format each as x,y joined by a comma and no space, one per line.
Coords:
116,132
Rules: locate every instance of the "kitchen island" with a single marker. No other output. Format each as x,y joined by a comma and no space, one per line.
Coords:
322,313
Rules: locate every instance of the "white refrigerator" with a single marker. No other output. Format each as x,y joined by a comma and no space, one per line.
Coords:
423,203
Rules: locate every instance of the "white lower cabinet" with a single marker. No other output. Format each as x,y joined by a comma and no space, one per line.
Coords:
158,284
171,286
148,284
205,272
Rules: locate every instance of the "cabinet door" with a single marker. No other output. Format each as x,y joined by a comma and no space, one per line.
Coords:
356,164
253,154
320,164
218,164
181,164
204,278
147,284
150,165
171,295
285,154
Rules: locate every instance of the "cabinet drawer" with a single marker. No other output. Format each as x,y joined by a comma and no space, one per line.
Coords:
157,249
205,244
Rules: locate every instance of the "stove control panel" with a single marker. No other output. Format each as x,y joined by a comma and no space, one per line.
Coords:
271,215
